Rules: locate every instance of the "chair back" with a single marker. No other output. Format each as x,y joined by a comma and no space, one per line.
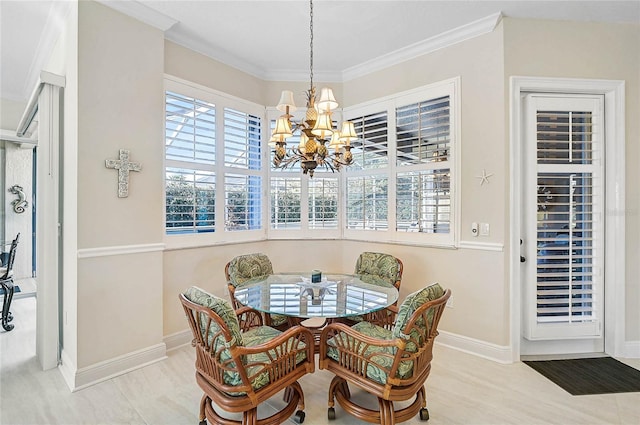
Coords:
245,267
419,315
7,270
216,332
248,266
379,266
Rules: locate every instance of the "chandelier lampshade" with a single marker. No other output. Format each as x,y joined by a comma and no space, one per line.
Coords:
315,129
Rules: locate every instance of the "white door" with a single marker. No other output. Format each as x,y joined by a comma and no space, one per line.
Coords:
563,224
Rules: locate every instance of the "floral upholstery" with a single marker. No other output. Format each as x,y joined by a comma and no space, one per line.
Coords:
253,363
249,266
409,306
222,308
372,266
384,356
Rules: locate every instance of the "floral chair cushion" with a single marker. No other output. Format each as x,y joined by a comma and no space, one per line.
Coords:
222,308
409,306
249,266
255,362
382,356
372,266
255,336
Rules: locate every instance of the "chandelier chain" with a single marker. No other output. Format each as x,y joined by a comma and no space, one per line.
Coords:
311,42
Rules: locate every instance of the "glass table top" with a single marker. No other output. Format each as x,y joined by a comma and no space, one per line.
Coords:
336,295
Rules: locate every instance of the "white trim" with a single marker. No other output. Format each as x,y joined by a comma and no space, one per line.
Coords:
613,91
486,350
448,38
141,12
178,339
440,41
67,369
120,250
481,246
10,136
102,371
50,35
46,78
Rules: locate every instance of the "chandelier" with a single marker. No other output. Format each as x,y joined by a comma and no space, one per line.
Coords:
316,129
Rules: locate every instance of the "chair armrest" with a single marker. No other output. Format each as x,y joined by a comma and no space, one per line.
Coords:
278,358
281,346
385,318
334,329
248,318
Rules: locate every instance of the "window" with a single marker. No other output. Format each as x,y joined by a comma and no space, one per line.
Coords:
300,205
213,152
404,159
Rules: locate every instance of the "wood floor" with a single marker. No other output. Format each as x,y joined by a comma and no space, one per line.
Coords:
462,389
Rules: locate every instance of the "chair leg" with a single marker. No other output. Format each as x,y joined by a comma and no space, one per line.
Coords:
6,305
387,416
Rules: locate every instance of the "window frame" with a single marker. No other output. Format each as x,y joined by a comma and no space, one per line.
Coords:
451,88
305,230
221,101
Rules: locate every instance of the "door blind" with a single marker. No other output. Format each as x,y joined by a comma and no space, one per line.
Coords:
568,225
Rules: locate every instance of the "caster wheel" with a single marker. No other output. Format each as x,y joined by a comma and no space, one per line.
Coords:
7,327
203,422
299,416
331,413
424,414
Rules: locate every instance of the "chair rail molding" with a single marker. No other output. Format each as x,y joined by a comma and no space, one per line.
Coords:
120,250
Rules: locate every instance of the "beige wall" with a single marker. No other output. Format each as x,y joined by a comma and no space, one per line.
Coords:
120,106
599,51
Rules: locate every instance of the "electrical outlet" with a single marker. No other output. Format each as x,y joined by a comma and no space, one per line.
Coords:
474,229
450,302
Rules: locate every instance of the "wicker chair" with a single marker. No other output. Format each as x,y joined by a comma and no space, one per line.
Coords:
392,365
238,370
6,283
373,267
249,266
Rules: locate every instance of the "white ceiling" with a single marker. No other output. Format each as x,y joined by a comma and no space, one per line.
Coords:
270,39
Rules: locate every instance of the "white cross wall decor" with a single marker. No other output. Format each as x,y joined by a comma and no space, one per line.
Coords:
123,166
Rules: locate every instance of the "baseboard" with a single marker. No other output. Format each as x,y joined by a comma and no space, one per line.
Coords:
78,379
67,369
178,339
632,350
497,353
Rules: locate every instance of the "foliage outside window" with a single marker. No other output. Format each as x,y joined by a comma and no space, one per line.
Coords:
401,186
212,153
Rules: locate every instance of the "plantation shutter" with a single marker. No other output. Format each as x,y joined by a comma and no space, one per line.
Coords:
566,291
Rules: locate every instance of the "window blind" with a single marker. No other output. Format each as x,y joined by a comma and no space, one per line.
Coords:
190,126
568,227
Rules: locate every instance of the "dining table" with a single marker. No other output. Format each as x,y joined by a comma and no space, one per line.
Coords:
335,295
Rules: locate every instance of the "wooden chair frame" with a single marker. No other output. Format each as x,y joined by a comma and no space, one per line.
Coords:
352,367
6,282
282,368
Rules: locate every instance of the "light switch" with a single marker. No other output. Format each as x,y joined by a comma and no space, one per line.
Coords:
484,229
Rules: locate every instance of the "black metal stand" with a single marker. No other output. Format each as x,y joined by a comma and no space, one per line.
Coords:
7,285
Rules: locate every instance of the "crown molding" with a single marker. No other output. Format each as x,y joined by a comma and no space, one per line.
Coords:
53,28
448,38
143,13
464,32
